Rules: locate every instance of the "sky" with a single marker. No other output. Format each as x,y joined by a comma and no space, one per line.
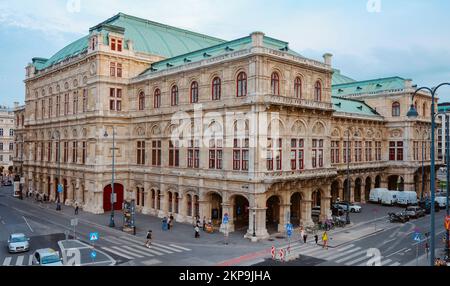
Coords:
368,38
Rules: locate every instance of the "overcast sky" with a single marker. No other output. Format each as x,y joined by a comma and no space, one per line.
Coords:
407,38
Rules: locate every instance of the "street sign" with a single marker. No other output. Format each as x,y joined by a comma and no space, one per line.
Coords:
289,226
417,236
273,252
225,218
93,236
74,222
60,188
289,232
447,222
93,254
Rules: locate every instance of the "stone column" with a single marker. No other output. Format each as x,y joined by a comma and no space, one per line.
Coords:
147,198
325,207
70,192
182,205
409,183
306,219
352,191
363,191
341,193
285,210
260,219
162,212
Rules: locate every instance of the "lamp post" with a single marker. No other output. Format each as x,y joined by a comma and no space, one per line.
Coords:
412,113
59,187
447,160
347,211
111,219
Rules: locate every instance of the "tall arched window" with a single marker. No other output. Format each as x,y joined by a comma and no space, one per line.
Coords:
157,98
275,83
241,84
174,95
141,100
424,110
318,91
298,87
194,92
396,109
216,88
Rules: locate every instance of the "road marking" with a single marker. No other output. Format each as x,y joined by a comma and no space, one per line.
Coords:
343,253
30,260
387,241
134,251
395,264
3,222
7,261
151,262
27,223
384,262
180,247
113,240
327,252
357,260
19,260
409,249
163,248
396,252
117,253
117,248
151,250
351,256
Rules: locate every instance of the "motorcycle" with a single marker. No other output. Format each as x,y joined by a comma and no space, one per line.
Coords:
398,217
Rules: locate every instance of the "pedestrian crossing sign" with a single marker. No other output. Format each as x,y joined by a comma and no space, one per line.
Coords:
93,236
417,236
93,254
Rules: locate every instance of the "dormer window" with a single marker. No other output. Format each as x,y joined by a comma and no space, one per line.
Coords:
113,44
93,43
116,45
119,45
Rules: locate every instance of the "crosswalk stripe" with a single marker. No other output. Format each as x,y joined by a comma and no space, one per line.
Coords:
129,239
132,250
343,253
151,250
19,260
153,243
327,252
118,248
7,261
312,251
357,260
30,260
165,247
180,247
351,256
114,240
395,264
384,262
117,253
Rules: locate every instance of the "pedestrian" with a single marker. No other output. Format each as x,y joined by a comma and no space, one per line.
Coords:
427,248
168,223
204,223
325,240
172,219
164,223
148,243
302,234
316,238
76,208
305,237
198,221
197,231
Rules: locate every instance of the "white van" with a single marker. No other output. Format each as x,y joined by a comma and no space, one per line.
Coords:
407,198
375,194
442,201
389,198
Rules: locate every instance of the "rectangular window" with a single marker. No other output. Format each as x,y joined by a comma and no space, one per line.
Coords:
42,151
396,150
140,153
215,154
113,44
368,151
112,69
119,45
66,104
75,102
399,150
43,108
174,154
74,152
119,70
347,152
115,99
334,152
50,107
416,150
57,155
66,152
378,151
58,105
156,153
193,154
49,151
269,156
317,153
84,153
240,154
296,157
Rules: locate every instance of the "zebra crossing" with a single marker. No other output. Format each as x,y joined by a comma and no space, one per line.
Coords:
18,260
348,255
130,248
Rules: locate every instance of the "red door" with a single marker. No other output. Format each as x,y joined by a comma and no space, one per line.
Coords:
118,190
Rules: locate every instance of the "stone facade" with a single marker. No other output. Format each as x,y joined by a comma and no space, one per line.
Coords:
6,139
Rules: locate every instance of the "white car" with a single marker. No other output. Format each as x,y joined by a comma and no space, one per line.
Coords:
18,242
353,208
47,257
442,201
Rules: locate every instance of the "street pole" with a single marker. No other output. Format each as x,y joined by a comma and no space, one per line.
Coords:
58,202
447,160
254,215
111,221
423,173
347,211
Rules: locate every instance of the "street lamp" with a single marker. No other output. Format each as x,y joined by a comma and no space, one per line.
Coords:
412,113
447,160
59,187
347,211
111,219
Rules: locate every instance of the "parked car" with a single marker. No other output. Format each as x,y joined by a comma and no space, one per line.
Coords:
414,211
389,198
426,205
406,198
46,257
398,217
337,210
375,194
353,208
315,211
18,242
442,201
7,183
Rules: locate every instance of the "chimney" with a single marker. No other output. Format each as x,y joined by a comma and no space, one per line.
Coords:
408,83
257,39
16,104
327,59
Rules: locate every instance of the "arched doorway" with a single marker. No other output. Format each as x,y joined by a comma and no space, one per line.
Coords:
64,194
316,198
347,191
241,211
296,213
273,213
368,187
334,191
378,181
358,185
49,186
118,191
216,208
396,182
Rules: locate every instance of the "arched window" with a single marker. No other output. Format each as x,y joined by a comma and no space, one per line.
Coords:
241,84
157,98
298,87
275,84
318,91
396,109
194,92
174,95
1,132
141,100
424,110
216,88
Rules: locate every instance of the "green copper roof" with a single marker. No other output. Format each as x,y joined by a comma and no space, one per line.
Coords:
369,86
217,50
352,106
444,107
147,37
339,78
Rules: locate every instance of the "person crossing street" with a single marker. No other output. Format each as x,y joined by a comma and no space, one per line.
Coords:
325,240
148,243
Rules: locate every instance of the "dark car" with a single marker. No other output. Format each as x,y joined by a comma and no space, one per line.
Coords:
398,217
425,204
414,211
7,183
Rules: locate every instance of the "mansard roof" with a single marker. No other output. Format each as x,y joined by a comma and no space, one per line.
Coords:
147,37
339,78
374,86
353,106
